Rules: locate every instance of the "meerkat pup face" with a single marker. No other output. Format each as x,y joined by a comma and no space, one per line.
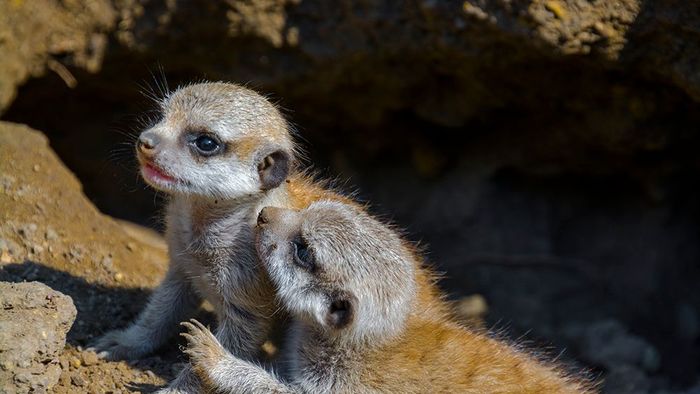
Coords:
216,140
337,267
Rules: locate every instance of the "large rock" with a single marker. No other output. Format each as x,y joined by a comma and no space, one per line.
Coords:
444,61
36,34
34,320
480,51
547,85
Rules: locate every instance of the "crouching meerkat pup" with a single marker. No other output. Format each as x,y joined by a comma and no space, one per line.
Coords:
366,318
221,152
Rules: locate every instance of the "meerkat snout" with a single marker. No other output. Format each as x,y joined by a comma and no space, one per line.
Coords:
340,312
275,227
268,214
322,260
262,218
147,142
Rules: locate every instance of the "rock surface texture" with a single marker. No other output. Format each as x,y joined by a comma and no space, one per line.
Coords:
40,35
34,320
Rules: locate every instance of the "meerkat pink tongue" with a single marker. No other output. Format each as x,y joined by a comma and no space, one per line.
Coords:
152,172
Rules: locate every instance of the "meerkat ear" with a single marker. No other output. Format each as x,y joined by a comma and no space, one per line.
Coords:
341,311
273,169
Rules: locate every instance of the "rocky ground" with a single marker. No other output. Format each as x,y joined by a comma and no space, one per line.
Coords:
33,325
50,233
544,150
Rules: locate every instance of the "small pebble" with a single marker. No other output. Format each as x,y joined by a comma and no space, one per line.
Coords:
23,377
107,262
75,362
5,257
36,168
118,276
602,29
50,234
78,380
557,9
89,358
65,378
473,306
27,229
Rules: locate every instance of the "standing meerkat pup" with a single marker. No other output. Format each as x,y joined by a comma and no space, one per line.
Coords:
221,152
367,318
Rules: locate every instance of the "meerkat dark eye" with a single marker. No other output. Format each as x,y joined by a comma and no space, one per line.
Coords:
206,144
302,255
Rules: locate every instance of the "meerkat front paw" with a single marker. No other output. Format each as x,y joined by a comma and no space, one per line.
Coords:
120,345
167,390
203,349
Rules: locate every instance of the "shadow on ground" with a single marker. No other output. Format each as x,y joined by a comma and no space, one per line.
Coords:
100,309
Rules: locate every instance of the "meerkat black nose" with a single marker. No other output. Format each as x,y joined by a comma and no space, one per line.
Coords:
269,214
262,218
147,142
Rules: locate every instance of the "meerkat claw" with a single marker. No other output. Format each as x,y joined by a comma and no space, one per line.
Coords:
202,345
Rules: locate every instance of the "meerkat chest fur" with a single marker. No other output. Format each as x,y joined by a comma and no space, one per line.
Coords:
216,239
315,360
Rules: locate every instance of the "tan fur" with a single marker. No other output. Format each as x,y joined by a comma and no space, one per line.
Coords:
200,215
439,356
435,354
247,146
302,191
427,351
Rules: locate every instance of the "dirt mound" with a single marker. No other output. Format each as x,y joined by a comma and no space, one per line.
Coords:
46,219
49,232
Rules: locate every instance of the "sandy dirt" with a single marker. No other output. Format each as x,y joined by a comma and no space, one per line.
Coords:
49,232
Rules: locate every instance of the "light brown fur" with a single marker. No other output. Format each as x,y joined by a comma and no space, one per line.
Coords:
440,356
303,190
436,354
429,353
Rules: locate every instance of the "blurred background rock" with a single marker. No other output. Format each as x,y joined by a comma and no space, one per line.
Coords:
546,152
